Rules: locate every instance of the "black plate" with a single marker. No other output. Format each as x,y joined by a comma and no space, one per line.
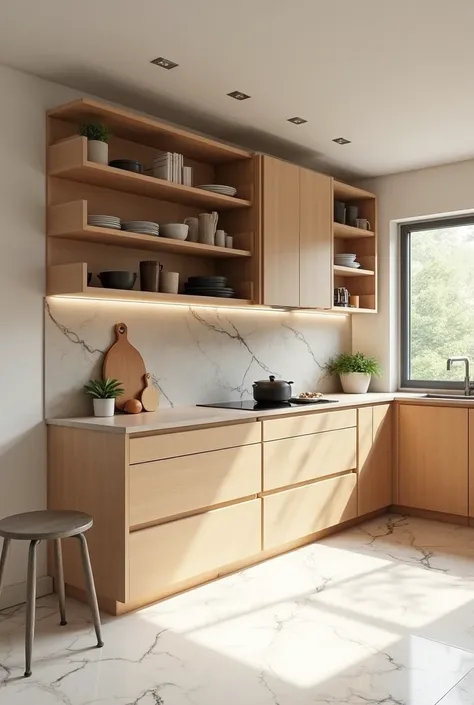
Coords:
213,292
207,282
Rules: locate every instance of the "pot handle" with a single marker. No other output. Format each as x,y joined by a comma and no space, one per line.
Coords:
272,378
290,382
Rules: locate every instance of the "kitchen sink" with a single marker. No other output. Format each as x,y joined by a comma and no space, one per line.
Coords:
458,397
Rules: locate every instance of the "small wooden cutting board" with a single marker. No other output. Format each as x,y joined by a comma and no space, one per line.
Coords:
150,397
124,362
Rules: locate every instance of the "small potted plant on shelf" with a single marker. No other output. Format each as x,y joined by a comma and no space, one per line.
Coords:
104,392
97,139
355,371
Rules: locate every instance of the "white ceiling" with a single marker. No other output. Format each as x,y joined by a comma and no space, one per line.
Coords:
393,76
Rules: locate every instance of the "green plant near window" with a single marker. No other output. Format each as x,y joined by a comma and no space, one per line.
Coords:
104,388
95,131
345,364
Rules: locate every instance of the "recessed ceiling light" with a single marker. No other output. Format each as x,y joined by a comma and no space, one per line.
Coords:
164,63
341,140
297,120
238,95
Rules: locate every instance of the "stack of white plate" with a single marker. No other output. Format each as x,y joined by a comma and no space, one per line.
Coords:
346,260
104,221
219,188
144,227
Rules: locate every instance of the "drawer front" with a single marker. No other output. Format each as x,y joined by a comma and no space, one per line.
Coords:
292,460
294,514
168,487
172,445
273,429
165,556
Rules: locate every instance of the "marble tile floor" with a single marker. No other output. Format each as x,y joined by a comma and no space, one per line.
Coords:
381,614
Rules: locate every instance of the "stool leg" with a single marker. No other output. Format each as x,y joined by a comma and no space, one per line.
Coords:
58,555
3,560
30,606
86,563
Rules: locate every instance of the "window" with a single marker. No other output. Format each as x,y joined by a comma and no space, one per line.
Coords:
437,300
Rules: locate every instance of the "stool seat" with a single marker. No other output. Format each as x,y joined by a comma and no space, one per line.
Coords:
44,525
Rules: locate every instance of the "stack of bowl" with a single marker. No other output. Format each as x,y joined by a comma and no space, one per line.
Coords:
209,286
145,227
346,260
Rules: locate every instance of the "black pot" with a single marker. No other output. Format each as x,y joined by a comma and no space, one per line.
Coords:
272,390
117,280
127,165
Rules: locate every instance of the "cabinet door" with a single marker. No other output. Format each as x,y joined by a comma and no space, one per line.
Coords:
375,457
281,233
471,463
433,458
316,248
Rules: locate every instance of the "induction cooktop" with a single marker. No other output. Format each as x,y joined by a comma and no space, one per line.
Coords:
251,405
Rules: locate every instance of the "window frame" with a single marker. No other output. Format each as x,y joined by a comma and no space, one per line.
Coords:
405,299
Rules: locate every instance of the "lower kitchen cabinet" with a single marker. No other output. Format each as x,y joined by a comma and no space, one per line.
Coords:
166,557
293,514
471,463
375,457
433,458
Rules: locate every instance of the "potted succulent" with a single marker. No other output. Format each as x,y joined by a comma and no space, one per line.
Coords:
104,393
97,138
355,371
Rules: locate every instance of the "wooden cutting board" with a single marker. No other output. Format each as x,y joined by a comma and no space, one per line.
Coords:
124,362
150,397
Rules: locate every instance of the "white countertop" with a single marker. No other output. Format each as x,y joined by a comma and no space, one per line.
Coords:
189,416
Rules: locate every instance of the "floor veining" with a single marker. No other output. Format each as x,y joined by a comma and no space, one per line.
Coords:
381,614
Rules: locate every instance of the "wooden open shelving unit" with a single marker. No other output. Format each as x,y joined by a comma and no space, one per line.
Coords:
363,281
76,187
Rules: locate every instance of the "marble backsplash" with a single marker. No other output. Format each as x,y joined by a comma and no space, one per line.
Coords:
195,354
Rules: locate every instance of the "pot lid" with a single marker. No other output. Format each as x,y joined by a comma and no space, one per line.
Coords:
272,382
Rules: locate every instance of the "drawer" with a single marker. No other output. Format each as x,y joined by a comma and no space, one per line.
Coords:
292,460
294,514
167,487
168,556
171,445
273,429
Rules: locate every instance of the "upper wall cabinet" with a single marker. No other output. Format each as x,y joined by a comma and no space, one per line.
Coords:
296,236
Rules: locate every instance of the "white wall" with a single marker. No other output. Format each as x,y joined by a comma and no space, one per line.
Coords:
22,273
442,190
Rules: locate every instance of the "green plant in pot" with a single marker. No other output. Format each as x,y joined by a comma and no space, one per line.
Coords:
355,371
97,139
104,392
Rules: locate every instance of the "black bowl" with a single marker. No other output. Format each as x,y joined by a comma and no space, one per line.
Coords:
127,165
117,280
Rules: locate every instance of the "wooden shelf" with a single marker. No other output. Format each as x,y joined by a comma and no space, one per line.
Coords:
350,309
340,271
144,130
346,192
70,281
69,220
68,160
348,232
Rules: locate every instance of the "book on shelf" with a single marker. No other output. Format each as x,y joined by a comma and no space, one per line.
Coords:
187,175
169,166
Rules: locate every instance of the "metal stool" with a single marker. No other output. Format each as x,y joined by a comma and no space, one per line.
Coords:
49,525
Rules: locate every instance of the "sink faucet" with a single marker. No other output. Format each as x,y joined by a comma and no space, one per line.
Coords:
468,385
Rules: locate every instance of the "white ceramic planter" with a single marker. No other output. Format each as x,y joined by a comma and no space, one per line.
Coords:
104,407
98,151
355,383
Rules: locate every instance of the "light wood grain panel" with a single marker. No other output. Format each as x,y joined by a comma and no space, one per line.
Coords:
178,485
375,457
171,553
316,241
292,460
88,472
433,458
298,512
170,445
281,236
471,463
287,427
